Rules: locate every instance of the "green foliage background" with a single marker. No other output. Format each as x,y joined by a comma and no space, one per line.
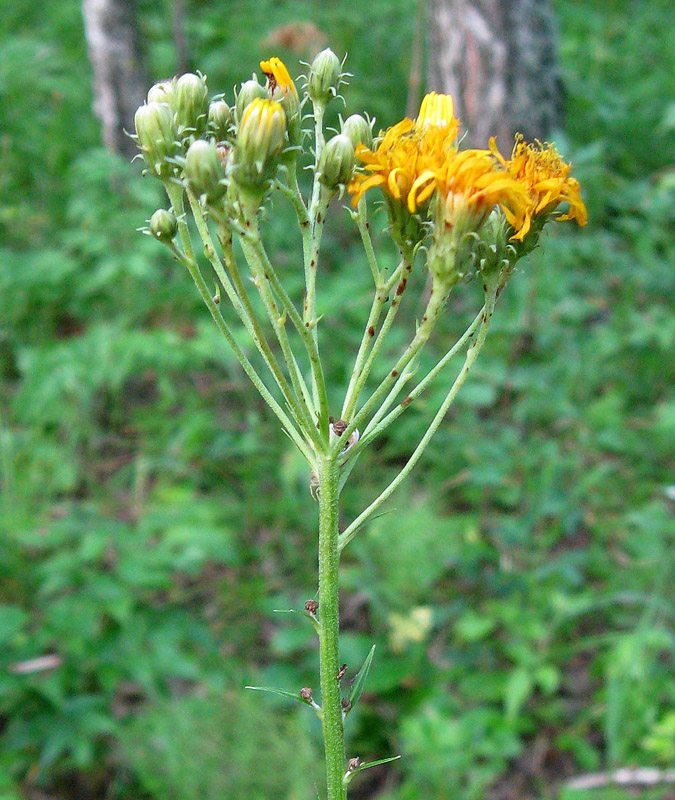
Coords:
153,517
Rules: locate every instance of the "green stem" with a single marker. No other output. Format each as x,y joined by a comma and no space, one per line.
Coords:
348,534
242,305
381,292
437,300
377,424
381,336
364,230
262,267
329,561
176,196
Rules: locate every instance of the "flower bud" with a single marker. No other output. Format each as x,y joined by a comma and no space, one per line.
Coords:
162,92
337,162
260,139
163,225
282,90
191,104
157,137
249,91
291,106
204,171
359,131
324,77
220,120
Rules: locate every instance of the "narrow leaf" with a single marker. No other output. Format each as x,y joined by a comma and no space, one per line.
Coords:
360,679
282,692
369,764
349,775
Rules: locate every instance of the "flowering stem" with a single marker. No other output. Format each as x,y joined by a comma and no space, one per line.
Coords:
262,274
364,230
437,300
486,317
266,277
176,196
381,292
292,191
242,305
377,424
329,561
350,402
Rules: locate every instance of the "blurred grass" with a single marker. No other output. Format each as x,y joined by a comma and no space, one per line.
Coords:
153,516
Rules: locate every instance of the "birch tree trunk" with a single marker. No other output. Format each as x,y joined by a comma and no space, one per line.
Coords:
497,58
119,82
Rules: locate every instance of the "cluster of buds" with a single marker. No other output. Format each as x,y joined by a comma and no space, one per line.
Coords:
221,152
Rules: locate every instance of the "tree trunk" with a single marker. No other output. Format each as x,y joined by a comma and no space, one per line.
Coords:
119,82
497,58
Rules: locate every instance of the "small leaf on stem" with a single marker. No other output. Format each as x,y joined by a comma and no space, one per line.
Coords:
360,680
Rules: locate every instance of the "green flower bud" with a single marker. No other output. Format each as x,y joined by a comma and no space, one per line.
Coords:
337,162
190,102
162,92
324,76
220,120
163,225
260,139
204,171
157,137
359,131
249,91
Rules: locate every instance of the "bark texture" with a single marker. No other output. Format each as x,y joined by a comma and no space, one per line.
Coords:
118,78
497,58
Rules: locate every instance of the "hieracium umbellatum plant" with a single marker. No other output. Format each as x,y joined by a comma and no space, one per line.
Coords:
455,213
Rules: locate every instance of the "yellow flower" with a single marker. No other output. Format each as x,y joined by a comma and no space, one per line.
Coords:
276,73
545,177
470,184
406,151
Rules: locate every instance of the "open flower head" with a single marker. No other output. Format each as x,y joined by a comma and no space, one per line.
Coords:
404,153
540,170
468,186
471,182
277,75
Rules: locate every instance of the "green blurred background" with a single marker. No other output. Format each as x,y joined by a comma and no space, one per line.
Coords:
153,516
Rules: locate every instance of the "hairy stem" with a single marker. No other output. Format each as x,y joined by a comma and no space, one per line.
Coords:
329,560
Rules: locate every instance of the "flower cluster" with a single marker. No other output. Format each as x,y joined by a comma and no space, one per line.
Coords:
416,161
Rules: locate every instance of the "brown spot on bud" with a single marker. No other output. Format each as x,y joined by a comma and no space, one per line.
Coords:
406,402
311,607
318,217
216,299
353,764
394,373
371,331
306,694
401,287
